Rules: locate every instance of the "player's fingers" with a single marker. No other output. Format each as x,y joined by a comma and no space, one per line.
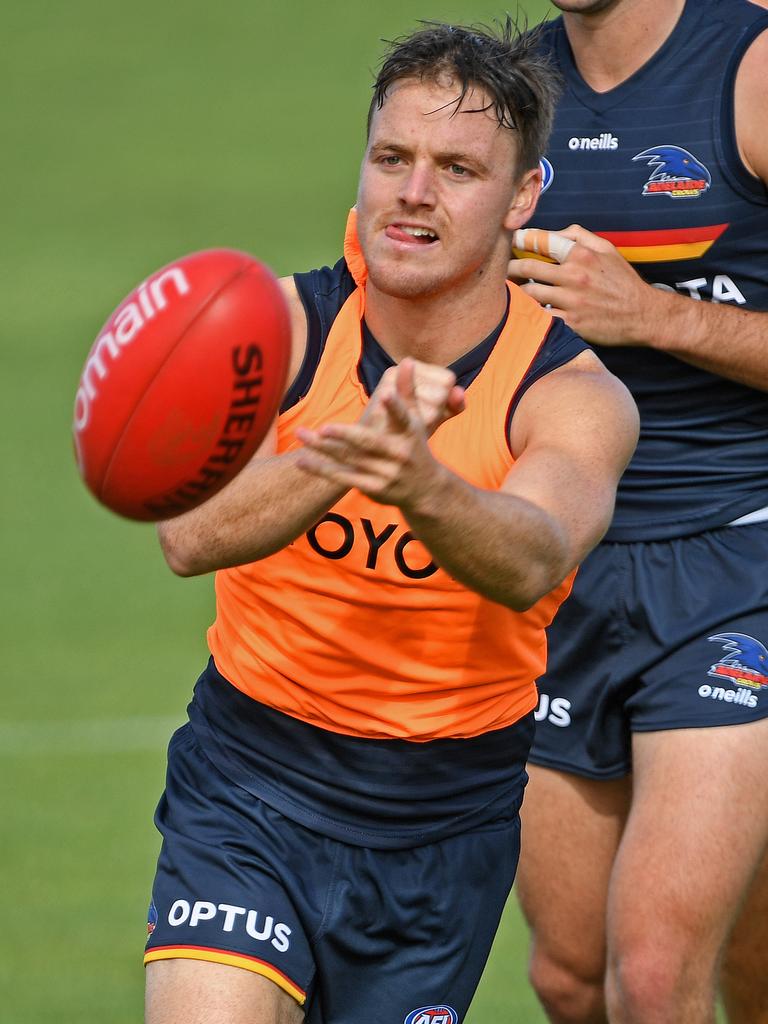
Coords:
529,269
552,244
405,382
456,402
431,373
561,313
373,478
576,233
433,399
544,294
346,442
403,413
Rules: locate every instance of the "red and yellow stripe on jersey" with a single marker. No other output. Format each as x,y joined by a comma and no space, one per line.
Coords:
352,628
664,246
661,246
222,956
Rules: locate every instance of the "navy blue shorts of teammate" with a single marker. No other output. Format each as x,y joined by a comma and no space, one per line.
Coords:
640,645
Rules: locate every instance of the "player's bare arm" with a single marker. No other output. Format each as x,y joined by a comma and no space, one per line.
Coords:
602,298
513,545
273,501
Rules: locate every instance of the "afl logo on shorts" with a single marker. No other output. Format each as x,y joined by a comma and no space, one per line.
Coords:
432,1015
547,174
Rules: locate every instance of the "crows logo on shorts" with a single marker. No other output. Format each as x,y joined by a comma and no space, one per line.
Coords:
745,662
675,173
432,1015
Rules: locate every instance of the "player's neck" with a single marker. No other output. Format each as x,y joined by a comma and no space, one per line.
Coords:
435,329
611,45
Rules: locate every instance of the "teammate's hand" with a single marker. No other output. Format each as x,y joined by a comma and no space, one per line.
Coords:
437,395
385,454
594,290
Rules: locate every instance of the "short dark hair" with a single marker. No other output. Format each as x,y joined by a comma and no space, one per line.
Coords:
506,64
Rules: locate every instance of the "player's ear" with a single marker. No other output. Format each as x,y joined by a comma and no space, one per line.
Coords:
524,200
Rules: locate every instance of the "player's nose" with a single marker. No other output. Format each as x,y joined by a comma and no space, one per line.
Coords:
418,186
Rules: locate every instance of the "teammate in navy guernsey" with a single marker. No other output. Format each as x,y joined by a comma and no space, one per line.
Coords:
646,818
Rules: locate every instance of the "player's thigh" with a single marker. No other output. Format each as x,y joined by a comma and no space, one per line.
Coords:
695,834
192,992
237,884
571,828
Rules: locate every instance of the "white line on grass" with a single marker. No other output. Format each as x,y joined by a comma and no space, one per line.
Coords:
87,736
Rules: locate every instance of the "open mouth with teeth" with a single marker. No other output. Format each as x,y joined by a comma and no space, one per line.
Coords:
412,233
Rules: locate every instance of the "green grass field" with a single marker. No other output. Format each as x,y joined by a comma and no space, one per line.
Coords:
133,134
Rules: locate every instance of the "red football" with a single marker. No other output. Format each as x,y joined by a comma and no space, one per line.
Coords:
182,384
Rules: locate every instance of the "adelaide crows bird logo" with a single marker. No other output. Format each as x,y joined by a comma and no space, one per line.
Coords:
745,662
675,173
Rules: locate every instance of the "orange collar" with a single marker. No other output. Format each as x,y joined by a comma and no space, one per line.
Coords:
353,254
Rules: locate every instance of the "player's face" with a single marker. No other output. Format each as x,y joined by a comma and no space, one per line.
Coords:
438,195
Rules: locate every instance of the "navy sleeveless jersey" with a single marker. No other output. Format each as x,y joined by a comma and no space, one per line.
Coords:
653,166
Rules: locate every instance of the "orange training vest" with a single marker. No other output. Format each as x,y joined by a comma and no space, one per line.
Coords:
352,627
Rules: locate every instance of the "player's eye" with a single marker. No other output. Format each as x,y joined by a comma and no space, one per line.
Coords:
459,170
391,160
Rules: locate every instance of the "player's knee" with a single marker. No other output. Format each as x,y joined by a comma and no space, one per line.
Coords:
652,979
570,994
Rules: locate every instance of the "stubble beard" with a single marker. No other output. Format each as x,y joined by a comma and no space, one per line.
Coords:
402,283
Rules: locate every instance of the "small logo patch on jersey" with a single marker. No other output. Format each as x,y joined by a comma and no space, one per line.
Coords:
603,141
547,174
432,1015
745,662
675,173
151,918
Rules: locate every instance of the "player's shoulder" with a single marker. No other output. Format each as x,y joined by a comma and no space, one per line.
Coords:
315,298
325,290
586,386
739,12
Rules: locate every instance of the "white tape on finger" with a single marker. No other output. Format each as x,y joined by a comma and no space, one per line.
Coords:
543,243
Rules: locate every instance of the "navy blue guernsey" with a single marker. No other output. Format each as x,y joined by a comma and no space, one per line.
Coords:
323,293
653,166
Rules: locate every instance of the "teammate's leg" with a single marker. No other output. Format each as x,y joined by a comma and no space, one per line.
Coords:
196,992
744,974
571,829
697,829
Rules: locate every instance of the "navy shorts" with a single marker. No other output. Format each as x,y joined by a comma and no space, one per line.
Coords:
351,933
655,635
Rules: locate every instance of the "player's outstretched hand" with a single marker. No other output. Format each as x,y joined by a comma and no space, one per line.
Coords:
594,290
436,393
384,454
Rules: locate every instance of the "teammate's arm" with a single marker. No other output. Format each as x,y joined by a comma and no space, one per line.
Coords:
572,435
602,298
